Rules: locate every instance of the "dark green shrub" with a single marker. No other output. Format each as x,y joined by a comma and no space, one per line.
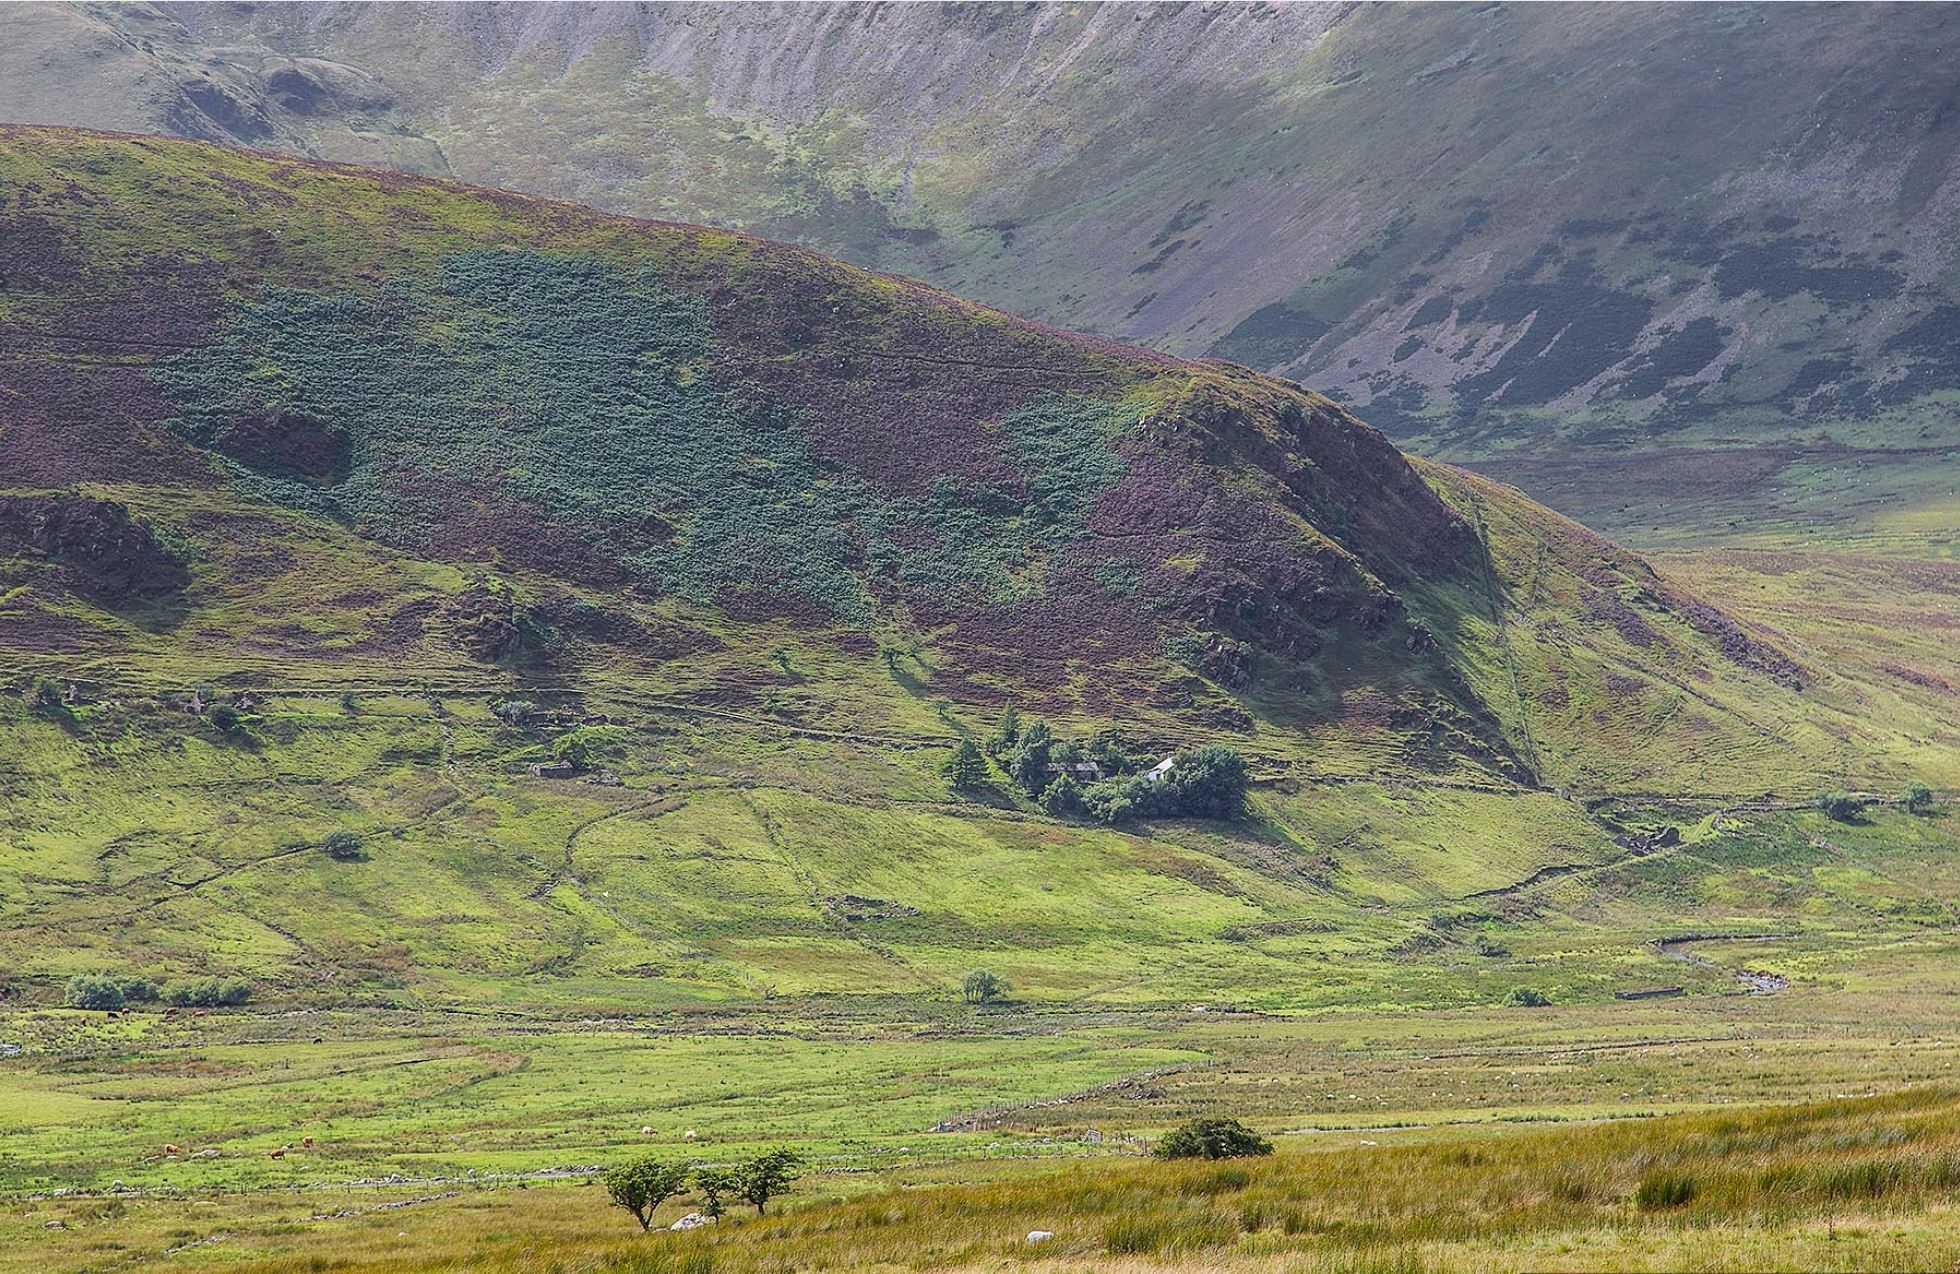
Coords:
86,991
1008,734
965,768
1207,783
1063,799
209,993
1529,997
983,987
44,697
227,719
343,846
766,1176
1211,1139
1918,798
1841,806
1028,764
139,990
643,1185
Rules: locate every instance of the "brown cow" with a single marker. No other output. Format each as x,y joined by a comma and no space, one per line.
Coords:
279,1153
172,1148
307,1142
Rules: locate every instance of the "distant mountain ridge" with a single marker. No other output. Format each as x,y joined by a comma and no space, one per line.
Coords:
1578,245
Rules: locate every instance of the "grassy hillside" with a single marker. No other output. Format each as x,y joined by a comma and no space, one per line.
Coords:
340,504
1671,269
381,425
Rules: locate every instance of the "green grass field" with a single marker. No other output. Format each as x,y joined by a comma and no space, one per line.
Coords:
758,935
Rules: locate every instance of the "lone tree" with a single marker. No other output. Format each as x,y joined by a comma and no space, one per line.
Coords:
1212,1139
983,987
1919,798
766,1176
343,845
715,1186
965,769
574,751
1841,806
1008,734
643,1185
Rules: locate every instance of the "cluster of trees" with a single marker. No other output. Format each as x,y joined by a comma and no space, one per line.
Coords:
1206,782
643,1184
1845,807
1211,1139
109,992
984,987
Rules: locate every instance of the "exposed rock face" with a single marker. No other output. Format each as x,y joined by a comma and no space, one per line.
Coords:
105,553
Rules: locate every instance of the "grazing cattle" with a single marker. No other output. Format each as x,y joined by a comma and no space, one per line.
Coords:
279,1153
172,1148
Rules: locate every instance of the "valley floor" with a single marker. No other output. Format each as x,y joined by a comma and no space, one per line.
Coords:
757,934
1850,1184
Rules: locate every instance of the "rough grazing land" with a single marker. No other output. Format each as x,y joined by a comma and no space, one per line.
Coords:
518,645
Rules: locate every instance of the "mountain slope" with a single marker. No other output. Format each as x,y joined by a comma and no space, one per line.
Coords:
1558,242
268,415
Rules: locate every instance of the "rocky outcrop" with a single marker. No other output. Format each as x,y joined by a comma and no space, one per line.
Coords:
103,551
